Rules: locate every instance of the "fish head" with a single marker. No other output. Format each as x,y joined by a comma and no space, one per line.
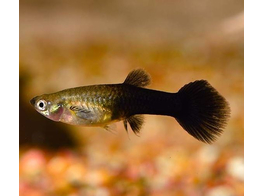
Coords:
48,107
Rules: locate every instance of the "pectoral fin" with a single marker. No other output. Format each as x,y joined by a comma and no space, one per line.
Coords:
81,112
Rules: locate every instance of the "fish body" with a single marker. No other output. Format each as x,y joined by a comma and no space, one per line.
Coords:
197,106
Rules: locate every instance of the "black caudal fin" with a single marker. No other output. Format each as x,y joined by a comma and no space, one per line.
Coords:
204,111
138,78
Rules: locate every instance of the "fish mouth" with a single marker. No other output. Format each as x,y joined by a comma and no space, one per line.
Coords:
32,101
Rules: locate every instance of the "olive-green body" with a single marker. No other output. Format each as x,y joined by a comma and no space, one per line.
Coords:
115,102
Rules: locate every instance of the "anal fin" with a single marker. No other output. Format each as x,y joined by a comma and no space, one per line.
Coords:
135,123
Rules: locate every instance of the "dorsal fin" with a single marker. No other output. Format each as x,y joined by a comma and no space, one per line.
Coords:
138,77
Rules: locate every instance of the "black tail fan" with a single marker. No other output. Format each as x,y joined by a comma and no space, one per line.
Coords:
204,112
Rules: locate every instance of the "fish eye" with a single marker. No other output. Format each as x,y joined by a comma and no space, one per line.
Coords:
41,105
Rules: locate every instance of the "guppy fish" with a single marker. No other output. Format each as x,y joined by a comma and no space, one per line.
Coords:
197,106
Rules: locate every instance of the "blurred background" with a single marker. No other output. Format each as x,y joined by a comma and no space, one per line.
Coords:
66,44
